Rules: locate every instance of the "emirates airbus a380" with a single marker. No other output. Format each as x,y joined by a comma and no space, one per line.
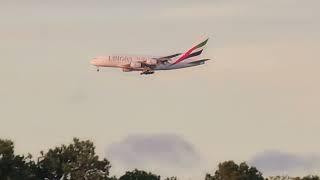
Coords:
149,64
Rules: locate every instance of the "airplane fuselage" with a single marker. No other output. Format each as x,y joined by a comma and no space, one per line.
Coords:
149,64
128,61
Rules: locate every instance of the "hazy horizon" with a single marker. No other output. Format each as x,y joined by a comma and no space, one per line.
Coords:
257,100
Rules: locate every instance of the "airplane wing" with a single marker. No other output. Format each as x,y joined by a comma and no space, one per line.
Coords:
165,59
170,56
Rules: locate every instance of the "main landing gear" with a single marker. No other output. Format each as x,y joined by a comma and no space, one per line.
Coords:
147,71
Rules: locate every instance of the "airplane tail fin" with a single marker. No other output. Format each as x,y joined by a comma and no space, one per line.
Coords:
194,51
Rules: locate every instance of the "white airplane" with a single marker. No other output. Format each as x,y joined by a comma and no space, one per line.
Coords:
149,64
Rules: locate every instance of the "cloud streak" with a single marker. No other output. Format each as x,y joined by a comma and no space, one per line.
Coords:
276,161
154,152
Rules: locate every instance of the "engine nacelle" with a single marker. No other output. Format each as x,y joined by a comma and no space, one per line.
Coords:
151,61
126,70
135,65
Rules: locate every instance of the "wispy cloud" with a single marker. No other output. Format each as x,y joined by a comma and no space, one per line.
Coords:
158,152
272,162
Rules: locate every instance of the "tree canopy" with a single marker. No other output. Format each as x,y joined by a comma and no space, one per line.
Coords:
139,175
14,167
78,161
231,171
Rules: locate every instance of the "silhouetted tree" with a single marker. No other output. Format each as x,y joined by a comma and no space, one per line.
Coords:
231,171
77,161
279,178
282,178
139,175
171,178
311,177
14,167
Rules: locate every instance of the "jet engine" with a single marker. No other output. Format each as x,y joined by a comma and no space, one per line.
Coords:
126,70
135,65
151,62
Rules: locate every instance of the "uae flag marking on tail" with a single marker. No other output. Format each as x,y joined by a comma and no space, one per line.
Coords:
195,51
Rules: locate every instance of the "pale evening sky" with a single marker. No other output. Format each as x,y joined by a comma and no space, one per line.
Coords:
258,100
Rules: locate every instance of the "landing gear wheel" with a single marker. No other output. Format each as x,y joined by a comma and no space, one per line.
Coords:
146,72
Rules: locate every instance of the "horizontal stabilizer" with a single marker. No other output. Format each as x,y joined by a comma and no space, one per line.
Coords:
202,61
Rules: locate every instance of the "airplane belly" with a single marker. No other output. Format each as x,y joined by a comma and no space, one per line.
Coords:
176,66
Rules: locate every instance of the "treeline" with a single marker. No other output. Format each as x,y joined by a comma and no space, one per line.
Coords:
78,161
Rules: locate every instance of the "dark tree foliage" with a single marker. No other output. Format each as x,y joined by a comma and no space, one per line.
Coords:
77,161
311,178
231,171
14,167
139,175
171,178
